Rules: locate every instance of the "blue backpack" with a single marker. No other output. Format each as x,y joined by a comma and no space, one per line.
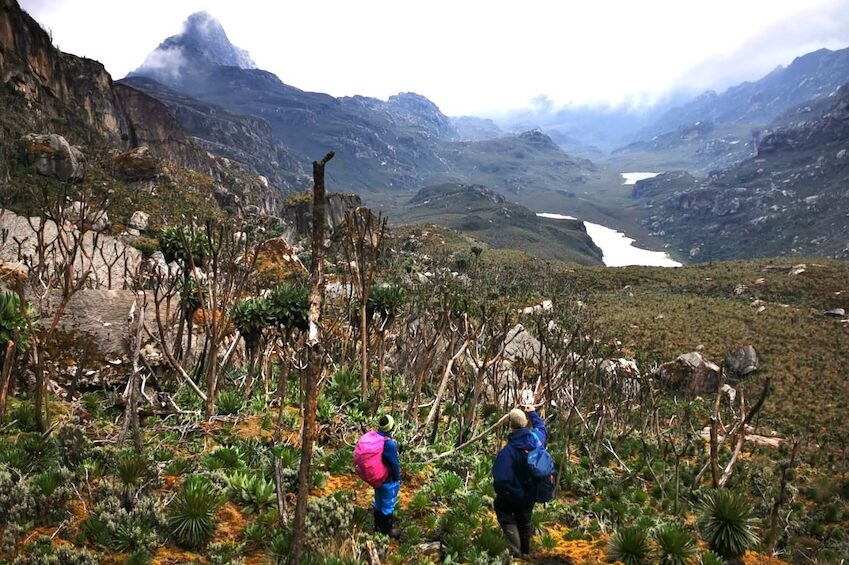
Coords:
542,471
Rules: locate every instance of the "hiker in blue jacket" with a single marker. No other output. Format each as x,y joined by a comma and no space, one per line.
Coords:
514,500
386,495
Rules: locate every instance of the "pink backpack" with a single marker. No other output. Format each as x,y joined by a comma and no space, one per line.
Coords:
368,459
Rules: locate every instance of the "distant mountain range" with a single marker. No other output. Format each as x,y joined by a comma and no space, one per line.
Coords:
713,130
403,143
776,146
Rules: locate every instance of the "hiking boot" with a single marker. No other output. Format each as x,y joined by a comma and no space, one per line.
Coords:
379,522
392,530
511,532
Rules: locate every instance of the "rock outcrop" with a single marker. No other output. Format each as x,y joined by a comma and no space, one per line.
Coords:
690,373
52,156
742,362
621,374
107,261
278,263
139,221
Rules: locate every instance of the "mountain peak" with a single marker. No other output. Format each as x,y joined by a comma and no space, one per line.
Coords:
202,39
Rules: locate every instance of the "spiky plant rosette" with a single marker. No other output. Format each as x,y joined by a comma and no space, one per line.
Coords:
727,523
711,558
191,513
675,546
630,545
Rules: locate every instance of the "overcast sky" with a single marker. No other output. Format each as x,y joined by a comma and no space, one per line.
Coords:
470,56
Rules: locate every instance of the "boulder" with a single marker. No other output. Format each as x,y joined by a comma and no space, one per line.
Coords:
690,373
13,272
620,374
798,269
96,220
742,362
521,346
52,156
134,165
544,306
278,263
106,260
139,221
836,312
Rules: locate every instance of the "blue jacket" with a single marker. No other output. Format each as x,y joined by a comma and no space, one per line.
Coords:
390,458
510,471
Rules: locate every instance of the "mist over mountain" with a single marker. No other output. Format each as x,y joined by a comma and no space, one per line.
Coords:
813,75
202,38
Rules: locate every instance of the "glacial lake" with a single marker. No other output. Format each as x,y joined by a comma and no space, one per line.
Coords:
617,249
632,178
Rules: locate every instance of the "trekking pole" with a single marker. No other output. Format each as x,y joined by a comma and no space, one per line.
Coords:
472,440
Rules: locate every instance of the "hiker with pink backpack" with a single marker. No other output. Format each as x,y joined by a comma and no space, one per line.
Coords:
376,462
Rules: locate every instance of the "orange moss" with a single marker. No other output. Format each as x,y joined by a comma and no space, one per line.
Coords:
363,493
173,556
220,319
573,551
277,263
752,558
231,523
37,147
251,428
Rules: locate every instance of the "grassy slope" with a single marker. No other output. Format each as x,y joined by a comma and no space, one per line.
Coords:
673,311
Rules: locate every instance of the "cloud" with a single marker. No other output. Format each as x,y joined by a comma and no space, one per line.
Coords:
778,44
167,61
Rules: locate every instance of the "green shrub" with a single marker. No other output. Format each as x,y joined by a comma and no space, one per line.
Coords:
147,245
38,453
251,316
225,458
446,485
111,525
184,243
289,306
711,558
278,550
138,558
386,301
339,461
191,513
133,471
179,466
675,546
43,552
13,323
492,541
252,492
74,446
343,387
728,523
226,553
629,545
228,402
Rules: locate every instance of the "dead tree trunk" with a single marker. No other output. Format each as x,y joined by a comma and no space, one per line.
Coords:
131,414
315,356
8,359
782,495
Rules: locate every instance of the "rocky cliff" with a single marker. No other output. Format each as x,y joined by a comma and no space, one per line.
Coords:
247,139
55,91
121,131
789,199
